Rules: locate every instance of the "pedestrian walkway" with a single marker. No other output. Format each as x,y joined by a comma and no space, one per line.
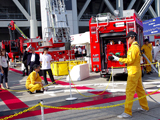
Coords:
17,101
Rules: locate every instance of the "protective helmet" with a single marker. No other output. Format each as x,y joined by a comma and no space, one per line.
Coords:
146,40
131,34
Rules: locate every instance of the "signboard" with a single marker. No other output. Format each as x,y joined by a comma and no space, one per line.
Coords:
151,27
121,24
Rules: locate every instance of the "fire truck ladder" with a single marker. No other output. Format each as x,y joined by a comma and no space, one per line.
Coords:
20,32
59,29
12,27
98,27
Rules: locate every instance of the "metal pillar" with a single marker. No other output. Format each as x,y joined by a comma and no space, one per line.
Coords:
109,6
83,9
120,7
145,8
33,20
157,7
131,4
74,15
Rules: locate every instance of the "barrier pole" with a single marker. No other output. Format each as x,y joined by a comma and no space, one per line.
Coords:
42,110
158,69
70,98
112,79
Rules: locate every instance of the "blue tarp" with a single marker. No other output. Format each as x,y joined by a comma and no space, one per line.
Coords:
151,27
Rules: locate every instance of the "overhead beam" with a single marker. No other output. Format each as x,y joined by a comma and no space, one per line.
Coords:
22,9
145,8
109,6
19,23
131,4
83,23
151,11
83,9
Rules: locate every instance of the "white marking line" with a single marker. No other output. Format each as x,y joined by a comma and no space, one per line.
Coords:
158,86
96,90
99,84
45,94
67,86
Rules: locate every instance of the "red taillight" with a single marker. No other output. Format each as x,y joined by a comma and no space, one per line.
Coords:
94,66
130,27
130,24
93,30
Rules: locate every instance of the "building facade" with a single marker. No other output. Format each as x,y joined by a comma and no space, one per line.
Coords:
27,13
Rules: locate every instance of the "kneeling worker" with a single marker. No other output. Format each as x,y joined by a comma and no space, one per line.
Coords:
34,82
134,82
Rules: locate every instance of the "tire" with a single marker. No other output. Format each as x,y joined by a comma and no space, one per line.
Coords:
102,75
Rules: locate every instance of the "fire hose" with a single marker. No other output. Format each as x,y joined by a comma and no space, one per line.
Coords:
155,71
111,58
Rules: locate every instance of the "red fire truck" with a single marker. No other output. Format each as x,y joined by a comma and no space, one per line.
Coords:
107,36
14,46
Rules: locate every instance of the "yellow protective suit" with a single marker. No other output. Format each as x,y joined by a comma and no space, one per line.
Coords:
148,52
134,82
30,82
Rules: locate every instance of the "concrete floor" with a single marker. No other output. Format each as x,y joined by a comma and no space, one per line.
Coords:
59,93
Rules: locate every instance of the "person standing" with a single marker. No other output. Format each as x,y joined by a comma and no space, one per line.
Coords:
147,48
32,58
134,80
25,54
76,52
157,43
79,51
5,67
45,60
1,70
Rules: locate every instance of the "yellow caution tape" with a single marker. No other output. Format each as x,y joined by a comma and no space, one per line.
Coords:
21,112
95,108
91,95
86,108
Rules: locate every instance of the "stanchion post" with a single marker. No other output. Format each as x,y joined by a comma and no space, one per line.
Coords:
42,110
158,69
70,98
112,79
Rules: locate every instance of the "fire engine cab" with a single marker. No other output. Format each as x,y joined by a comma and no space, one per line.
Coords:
107,37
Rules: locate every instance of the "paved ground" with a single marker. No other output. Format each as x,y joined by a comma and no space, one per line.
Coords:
57,95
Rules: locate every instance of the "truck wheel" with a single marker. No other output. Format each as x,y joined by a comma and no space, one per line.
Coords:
102,75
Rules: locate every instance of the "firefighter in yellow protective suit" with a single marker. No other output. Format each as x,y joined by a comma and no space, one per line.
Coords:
134,82
34,82
147,48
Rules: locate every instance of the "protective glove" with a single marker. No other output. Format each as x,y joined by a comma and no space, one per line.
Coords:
110,58
115,58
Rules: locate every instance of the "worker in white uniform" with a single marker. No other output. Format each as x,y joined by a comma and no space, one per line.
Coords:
45,60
